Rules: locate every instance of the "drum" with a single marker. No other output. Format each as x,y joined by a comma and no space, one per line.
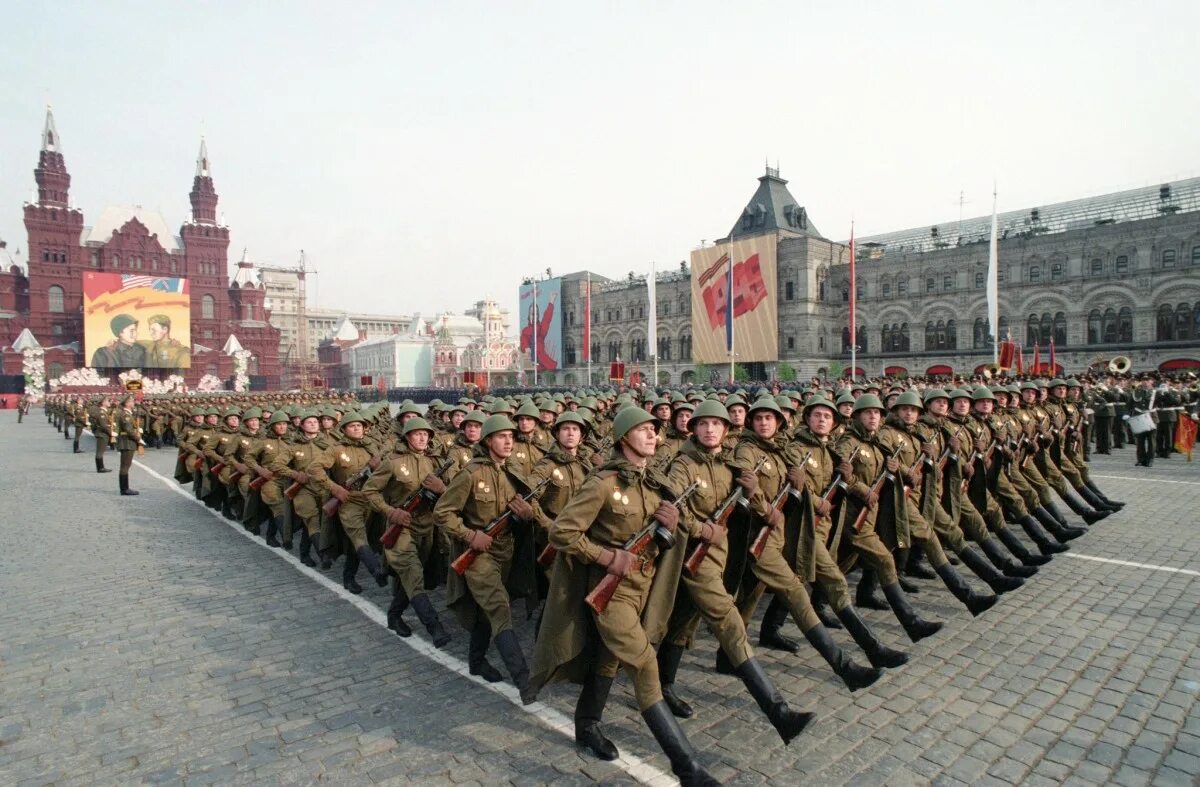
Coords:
1141,423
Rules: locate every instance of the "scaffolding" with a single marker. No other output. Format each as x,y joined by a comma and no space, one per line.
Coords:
296,361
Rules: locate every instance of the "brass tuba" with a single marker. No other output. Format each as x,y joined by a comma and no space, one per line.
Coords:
991,370
1120,365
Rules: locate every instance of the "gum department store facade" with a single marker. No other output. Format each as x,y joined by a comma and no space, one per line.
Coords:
1103,276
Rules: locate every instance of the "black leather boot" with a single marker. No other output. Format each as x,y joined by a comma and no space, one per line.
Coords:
855,676
227,507
1095,502
1018,548
481,637
914,565
914,626
395,613
1000,559
865,596
1084,513
350,573
828,619
769,631
976,603
306,549
100,468
668,665
1115,504
670,737
1046,543
514,661
123,484
375,567
724,666
429,619
787,722
588,711
998,582
878,654
1053,511
273,530
1061,532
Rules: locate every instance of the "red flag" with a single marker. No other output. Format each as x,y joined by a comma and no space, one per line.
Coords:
1020,359
1185,435
1035,367
587,320
1053,365
853,291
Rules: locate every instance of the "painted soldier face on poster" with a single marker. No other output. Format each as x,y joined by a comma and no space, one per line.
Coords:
748,296
541,323
136,322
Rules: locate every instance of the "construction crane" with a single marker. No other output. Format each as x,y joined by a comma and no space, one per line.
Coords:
297,354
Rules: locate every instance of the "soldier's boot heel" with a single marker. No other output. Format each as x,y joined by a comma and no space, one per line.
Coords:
878,654
227,507
306,549
865,596
100,468
828,619
1115,504
1046,543
1066,532
684,763
481,637
914,564
724,666
375,567
1000,559
429,619
916,627
75,449
770,633
588,712
668,666
855,676
998,582
1053,511
514,661
787,722
1095,502
976,603
272,531
395,613
350,573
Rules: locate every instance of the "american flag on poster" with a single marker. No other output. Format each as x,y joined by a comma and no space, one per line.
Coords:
156,283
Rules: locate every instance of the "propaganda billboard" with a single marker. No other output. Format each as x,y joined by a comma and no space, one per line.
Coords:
541,323
136,322
750,298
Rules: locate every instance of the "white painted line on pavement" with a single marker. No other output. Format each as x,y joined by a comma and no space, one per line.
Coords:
635,766
1155,480
1173,570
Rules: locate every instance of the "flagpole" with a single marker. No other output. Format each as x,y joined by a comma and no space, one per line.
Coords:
993,285
729,310
587,338
853,305
652,326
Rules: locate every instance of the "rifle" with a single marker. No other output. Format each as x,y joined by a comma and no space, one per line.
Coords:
412,504
496,528
777,503
885,476
946,455
653,530
293,489
720,517
353,484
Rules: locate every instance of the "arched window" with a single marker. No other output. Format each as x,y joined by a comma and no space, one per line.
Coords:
862,339
845,293
1093,327
930,284
951,335
885,338
978,334
1060,329
1196,254
1110,326
941,335
1122,265
845,340
930,336
1168,258
1035,274
1165,324
54,299
208,307
1047,327
1196,320
1033,330
1183,322
1003,330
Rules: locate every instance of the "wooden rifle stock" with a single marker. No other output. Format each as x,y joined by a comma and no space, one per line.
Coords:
720,517
412,504
496,528
218,467
603,592
353,484
885,475
293,490
777,503
258,482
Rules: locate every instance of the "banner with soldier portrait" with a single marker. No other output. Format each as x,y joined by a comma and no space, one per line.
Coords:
136,322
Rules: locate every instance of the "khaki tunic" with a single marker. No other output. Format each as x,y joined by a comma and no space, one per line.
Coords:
393,481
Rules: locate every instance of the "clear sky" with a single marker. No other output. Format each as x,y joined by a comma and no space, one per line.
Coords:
428,154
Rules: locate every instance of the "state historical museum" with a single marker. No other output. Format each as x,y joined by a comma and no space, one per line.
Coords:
48,298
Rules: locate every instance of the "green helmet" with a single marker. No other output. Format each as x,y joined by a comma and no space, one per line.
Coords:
496,423
212,411
765,403
711,408
959,393
529,410
818,400
571,417
232,411
867,402
413,424
911,398
253,412
981,393
474,417
1057,381
786,403
733,399
311,412
200,411
280,417
1073,383
1030,385
629,417
935,393
353,418
408,408
846,398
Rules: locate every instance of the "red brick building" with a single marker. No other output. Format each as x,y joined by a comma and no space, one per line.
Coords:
48,298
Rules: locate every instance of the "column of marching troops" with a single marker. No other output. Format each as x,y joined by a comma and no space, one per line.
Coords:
623,521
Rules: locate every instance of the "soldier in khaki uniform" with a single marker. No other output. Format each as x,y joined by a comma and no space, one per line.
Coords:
129,439
410,470
702,460
480,493
308,499
526,451
100,417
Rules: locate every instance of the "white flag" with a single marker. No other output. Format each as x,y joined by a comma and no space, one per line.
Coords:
993,289
652,327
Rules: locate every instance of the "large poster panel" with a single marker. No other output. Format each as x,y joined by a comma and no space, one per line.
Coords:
541,321
136,322
755,308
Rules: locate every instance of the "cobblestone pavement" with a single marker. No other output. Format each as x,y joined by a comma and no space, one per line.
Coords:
144,640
